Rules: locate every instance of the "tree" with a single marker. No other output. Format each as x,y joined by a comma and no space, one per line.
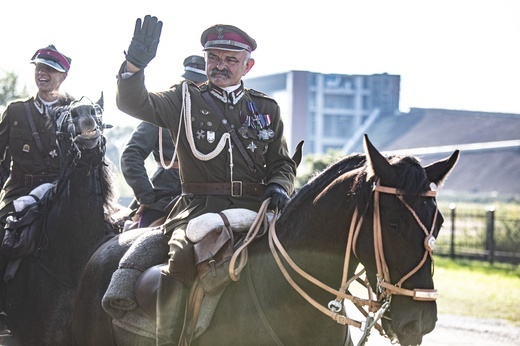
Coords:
9,89
314,164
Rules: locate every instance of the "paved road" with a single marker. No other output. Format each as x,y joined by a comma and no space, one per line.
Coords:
461,331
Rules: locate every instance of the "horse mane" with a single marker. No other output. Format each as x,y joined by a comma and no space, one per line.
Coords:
322,179
107,173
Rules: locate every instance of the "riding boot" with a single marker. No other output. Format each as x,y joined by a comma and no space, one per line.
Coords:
171,306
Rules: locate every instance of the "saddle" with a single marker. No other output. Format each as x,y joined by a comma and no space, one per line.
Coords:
214,237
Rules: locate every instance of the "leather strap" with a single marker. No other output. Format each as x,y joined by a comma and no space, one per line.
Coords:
234,189
209,100
32,180
36,135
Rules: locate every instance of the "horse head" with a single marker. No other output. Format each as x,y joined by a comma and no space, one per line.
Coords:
405,224
81,122
79,129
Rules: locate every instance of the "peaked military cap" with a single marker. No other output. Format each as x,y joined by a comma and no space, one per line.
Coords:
227,37
50,56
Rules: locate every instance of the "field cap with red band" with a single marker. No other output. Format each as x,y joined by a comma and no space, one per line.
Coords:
51,57
227,37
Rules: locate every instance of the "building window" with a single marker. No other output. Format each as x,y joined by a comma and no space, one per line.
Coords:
338,126
339,101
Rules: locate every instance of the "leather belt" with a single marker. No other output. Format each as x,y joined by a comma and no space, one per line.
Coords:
167,163
234,189
32,180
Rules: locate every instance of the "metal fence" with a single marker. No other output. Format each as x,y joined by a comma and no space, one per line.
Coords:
479,233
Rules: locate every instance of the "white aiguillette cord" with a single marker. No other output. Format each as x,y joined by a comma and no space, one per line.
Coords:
186,114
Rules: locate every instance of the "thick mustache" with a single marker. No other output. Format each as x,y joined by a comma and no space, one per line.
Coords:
216,72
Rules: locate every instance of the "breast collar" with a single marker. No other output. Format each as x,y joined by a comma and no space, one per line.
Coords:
228,97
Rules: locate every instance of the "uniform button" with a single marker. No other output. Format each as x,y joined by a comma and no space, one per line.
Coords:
231,107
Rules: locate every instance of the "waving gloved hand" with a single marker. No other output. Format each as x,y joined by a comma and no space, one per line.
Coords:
279,197
144,44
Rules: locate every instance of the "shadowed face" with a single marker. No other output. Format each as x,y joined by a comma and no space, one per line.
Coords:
226,68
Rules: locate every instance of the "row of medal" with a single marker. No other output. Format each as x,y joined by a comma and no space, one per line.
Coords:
256,122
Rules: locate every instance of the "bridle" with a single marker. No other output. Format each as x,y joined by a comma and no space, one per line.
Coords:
376,306
383,275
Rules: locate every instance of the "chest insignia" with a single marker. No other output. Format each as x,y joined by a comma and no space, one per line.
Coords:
252,146
211,136
201,134
53,153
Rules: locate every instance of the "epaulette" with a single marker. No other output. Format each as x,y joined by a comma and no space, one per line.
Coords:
257,93
203,87
21,100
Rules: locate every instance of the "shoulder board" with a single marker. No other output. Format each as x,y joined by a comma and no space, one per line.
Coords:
257,93
22,100
203,87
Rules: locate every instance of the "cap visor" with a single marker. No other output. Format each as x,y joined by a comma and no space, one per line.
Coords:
228,48
49,63
195,77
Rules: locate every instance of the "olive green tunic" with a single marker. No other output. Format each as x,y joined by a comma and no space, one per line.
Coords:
270,156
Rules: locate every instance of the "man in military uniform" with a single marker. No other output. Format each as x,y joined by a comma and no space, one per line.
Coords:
34,159
153,196
231,147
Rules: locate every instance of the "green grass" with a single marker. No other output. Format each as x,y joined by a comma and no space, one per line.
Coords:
478,289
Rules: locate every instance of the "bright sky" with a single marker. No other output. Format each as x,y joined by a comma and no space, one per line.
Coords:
453,54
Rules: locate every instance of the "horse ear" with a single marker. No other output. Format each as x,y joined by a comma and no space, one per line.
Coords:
438,171
101,102
297,156
378,165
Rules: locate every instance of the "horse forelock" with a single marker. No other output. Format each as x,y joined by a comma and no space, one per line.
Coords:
412,178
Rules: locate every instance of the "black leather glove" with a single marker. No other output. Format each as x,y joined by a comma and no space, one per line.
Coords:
279,197
144,44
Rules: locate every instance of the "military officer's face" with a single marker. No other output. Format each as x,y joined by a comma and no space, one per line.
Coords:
48,79
226,68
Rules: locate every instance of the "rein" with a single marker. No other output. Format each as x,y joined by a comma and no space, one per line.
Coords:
376,308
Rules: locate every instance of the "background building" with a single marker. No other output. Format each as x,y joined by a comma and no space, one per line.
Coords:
327,109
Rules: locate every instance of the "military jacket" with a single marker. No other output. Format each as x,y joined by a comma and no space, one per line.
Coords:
203,134
159,190
16,135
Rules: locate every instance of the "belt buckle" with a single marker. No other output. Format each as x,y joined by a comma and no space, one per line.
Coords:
237,184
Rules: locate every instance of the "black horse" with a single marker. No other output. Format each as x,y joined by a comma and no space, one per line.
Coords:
394,239
40,296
